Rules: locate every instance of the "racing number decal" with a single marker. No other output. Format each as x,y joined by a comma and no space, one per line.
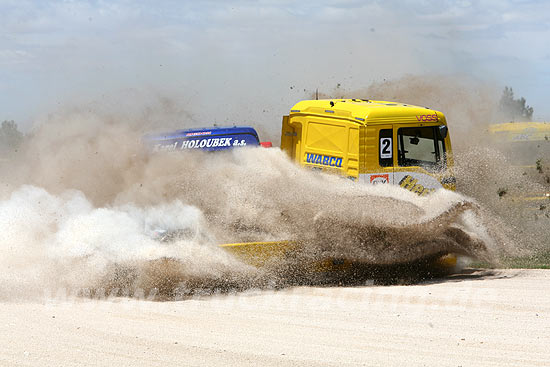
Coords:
385,148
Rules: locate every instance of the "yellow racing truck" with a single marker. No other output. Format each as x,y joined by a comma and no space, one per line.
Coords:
372,142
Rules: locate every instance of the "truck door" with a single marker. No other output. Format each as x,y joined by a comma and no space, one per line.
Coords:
386,148
379,154
290,138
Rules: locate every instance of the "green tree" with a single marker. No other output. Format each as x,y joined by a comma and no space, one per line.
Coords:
514,109
10,136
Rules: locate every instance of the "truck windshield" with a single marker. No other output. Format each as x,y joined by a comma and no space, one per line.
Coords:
421,146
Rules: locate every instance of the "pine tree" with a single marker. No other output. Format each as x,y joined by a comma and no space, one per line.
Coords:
10,137
514,109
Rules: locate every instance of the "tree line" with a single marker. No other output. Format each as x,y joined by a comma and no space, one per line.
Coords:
511,108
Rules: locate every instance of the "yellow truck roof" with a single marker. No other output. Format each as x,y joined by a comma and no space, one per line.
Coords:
521,131
364,111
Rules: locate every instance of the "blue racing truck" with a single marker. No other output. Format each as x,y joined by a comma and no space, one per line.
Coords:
209,139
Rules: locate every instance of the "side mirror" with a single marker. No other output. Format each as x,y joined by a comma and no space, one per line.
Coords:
443,131
414,141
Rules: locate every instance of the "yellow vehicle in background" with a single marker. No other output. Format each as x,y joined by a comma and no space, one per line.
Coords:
372,142
527,144
521,131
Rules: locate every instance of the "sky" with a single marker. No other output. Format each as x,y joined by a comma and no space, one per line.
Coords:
246,61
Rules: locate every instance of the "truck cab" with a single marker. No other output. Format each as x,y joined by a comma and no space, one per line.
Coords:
374,142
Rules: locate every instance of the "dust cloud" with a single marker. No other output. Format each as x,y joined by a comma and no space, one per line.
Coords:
83,202
494,173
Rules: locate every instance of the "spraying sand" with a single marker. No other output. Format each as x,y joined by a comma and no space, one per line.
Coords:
64,240
83,199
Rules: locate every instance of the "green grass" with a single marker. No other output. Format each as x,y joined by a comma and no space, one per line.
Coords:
538,260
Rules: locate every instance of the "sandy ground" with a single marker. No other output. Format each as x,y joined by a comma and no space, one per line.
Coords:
477,319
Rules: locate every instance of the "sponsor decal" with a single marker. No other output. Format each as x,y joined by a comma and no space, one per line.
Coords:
521,137
427,117
323,160
208,143
199,144
164,147
379,179
237,143
198,133
410,183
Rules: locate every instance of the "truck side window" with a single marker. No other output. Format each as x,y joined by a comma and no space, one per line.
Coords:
385,145
421,146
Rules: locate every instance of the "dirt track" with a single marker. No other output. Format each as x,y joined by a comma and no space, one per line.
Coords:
477,319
